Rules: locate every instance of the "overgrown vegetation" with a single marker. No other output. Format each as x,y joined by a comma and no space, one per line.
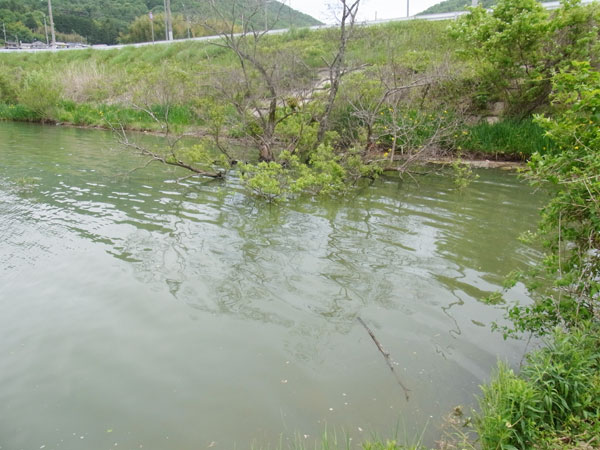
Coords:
507,139
570,226
312,113
555,401
519,45
268,94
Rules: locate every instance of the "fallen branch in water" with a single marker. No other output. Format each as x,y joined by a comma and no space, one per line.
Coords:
387,357
170,158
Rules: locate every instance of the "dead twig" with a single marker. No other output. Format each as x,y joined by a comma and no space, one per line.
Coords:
387,357
173,160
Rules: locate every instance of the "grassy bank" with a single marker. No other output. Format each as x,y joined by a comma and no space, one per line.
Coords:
114,76
98,88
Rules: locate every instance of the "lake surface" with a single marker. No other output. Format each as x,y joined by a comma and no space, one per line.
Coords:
140,313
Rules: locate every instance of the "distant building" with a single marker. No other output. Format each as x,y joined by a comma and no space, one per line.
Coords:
12,45
39,44
34,45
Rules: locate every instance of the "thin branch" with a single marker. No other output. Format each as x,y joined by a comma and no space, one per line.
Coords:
387,357
124,140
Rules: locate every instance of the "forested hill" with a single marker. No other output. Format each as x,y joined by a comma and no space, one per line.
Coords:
455,5
109,21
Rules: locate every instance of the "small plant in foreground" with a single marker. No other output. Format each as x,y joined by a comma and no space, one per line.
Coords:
553,403
510,410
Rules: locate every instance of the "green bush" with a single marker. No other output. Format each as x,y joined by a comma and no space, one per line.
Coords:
519,45
8,86
570,225
41,94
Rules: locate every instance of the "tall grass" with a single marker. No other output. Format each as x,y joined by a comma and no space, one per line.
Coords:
553,404
17,113
516,138
332,440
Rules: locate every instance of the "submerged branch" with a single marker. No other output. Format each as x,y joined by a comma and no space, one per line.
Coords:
387,357
170,161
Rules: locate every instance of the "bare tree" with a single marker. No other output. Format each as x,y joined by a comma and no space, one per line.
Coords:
155,98
172,157
392,106
337,66
258,87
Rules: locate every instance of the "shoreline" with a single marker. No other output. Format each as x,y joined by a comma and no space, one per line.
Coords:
474,158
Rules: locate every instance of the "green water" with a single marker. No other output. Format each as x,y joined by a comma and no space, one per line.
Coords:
140,313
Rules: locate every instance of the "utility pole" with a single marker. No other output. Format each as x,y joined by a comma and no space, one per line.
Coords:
168,20
51,23
266,16
4,29
151,16
266,2
407,8
187,19
266,11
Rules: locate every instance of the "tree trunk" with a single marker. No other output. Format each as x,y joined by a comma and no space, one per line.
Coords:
266,146
266,153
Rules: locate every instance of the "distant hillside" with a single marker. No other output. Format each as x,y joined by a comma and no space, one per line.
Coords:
104,21
279,15
455,5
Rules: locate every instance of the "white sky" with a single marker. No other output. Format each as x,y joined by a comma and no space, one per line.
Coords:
384,9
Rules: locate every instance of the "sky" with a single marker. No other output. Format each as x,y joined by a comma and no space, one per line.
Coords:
368,10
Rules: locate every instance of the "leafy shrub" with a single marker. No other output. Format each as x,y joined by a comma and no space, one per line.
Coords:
570,223
324,173
41,94
8,86
519,45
